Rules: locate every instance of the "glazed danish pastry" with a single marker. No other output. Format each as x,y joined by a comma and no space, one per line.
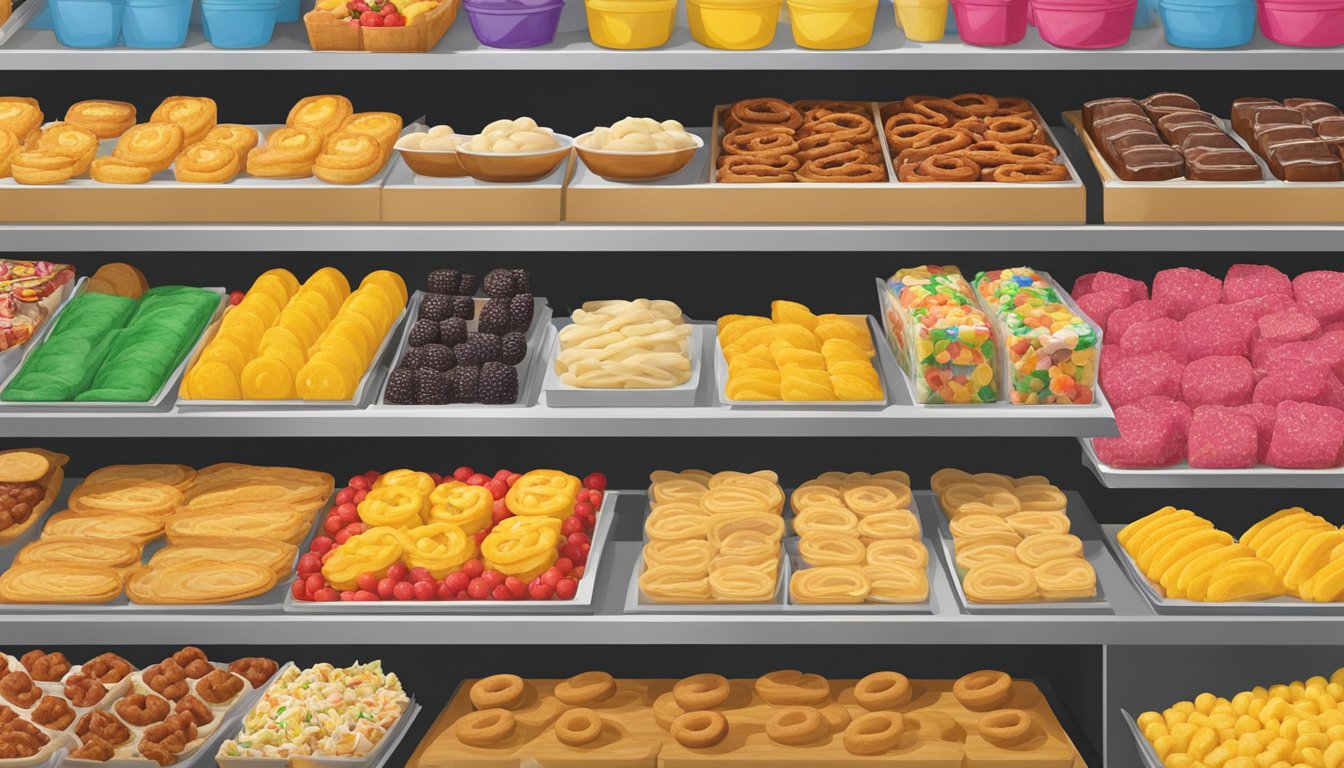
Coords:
196,115
59,583
349,158
325,114
288,153
107,119
207,162
70,141
152,145
384,127
114,170
243,138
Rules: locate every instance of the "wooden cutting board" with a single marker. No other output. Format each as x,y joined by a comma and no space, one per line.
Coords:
636,719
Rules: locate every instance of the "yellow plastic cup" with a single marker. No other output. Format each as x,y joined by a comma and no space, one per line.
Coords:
736,25
923,21
832,24
631,24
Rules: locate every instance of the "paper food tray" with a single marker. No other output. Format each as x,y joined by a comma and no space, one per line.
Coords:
371,381
536,342
581,604
245,199
20,18
928,605
163,400
1183,475
1275,606
11,359
1081,525
561,395
874,332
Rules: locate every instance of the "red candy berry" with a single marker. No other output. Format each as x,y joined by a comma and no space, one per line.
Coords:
512,478
540,590
397,571
473,569
444,593
370,19
478,479
425,590
387,588
321,544
564,565
552,576
360,483
456,582
497,488
479,536
572,524
462,473
567,588
344,496
348,513
499,515
584,508
493,578
503,475
578,539
373,475
347,596
404,591
299,590
235,298
478,589
596,482
326,595
363,596
515,586
343,535
333,524
368,582
595,498
309,563
501,592
420,574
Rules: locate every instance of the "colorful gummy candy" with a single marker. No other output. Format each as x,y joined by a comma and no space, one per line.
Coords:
942,338
1052,351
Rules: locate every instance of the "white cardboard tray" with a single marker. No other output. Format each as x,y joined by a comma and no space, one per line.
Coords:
1183,475
681,396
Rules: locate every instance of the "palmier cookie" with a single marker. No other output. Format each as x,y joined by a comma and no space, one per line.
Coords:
485,727
70,141
792,688
243,138
107,119
796,726
288,153
883,691
152,145
498,692
700,730
704,691
207,162
196,115
586,688
874,733
349,158
983,690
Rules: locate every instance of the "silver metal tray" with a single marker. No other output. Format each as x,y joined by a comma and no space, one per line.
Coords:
1183,475
1146,752
379,757
562,395
928,605
635,602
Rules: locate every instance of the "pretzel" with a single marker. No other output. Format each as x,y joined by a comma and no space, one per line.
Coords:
1014,105
1018,173
746,169
821,145
938,142
848,127
814,109
1031,152
976,104
942,168
851,166
927,107
1011,129
972,125
760,142
900,119
766,111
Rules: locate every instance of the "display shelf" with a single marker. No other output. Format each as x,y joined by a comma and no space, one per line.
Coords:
1184,476
1147,50
754,238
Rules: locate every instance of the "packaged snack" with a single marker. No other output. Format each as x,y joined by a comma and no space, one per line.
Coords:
942,338
29,292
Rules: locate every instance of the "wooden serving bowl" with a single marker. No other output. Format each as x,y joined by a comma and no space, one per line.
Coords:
623,165
514,167
440,163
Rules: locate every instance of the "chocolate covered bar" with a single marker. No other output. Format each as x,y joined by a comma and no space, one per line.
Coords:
1166,103
1208,164
1305,160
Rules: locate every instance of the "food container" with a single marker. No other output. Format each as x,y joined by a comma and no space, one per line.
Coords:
439,163
1303,23
561,395
925,21
737,25
991,22
503,24
1145,16
1207,23
328,33
832,24
239,23
1085,23
289,12
630,24
514,167
156,23
87,23
60,741
617,165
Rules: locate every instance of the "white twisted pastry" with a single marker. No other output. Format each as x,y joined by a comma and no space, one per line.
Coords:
640,344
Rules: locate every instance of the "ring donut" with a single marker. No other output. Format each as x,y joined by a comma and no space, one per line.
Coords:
882,691
874,733
498,692
697,692
586,688
485,727
579,726
700,730
791,688
1007,727
796,726
983,690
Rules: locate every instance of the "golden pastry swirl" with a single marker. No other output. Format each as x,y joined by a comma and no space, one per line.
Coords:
722,526
1000,583
1032,523
901,552
897,583
326,113
105,553
973,525
349,158
897,524
203,582
686,554
207,162
829,584
288,153
825,548
107,119
138,529
677,489
59,583
440,548
151,145
677,521
196,115
675,584
276,555
812,494
1067,578
1044,547
826,518
742,584
242,138
466,506
737,499
871,497
372,551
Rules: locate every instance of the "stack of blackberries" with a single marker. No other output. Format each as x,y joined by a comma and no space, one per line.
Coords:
446,363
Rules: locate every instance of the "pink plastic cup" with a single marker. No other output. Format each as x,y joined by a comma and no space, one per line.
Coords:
991,22
1085,23
1303,23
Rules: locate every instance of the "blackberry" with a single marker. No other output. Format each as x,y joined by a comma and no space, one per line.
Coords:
431,388
401,387
468,354
411,359
520,309
522,281
435,307
453,331
463,307
444,281
424,332
488,345
513,348
499,384
499,283
469,285
437,356
496,316
466,383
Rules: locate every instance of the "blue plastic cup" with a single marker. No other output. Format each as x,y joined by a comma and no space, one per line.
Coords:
156,23
242,24
87,23
289,12
1146,15
1208,23
42,20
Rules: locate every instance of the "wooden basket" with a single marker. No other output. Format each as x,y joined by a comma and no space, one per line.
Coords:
328,33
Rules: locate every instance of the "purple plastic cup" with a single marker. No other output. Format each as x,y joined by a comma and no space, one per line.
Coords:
522,24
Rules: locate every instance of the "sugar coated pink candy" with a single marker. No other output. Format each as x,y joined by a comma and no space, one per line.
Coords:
1264,426
1306,436
1266,305
1160,335
1110,281
1306,385
1132,378
1221,438
1221,329
1281,328
1098,305
1083,285
1322,293
1327,350
1180,413
1182,290
1246,281
1121,319
1218,380
1147,438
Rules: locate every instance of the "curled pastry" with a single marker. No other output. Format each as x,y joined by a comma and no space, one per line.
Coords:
671,486
1000,583
826,548
201,714
693,555
675,584
976,554
825,518
498,692
792,688
196,115
748,169
70,141
1038,497
1031,523
1008,728
207,162
586,689
242,138
829,584
578,726
255,669
485,728
811,494
986,501
114,170
289,153
45,667
167,679
974,525
874,733
797,726
983,690
897,583
36,167
1043,547
704,691
9,146
59,583
107,668
765,111
95,748
325,114
141,709
20,117
103,725
742,584
700,729
384,127
151,145
765,524
944,479
53,712
901,552
219,686
107,119
193,661
883,691
897,524
677,521
349,158
1067,578
742,499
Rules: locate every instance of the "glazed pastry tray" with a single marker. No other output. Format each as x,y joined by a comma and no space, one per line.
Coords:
583,602
1081,524
1275,606
560,395
163,399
